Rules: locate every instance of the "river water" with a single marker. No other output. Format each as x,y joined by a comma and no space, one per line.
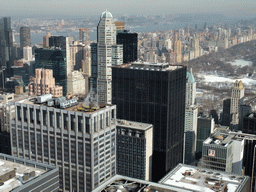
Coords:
37,38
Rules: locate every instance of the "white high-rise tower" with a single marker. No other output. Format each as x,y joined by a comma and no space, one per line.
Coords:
237,96
106,38
190,131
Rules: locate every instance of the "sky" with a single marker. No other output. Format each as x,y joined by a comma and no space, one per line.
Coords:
124,7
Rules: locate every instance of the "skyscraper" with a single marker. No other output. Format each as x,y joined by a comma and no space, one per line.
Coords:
94,68
177,51
155,94
25,37
117,55
44,83
190,119
195,46
106,32
81,143
237,97
6,43
190,88
46,40
129,42
205,126
119,26
27,53
84,36
226,118
54,59
136,160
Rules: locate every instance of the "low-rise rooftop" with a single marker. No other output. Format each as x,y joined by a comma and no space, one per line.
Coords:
133,124
220,137
16,172
126,184
202,179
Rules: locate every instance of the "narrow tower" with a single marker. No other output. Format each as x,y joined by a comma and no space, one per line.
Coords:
106,38
237,96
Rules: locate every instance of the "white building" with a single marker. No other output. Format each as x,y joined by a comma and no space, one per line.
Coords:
236,100
27,53
117,55
106,39
191,111
76,83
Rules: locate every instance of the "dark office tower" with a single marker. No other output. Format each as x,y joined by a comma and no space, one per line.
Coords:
54,59
215,116
6,43
94,68
129,42
24,37
249,159
249,123
62,43
155,94
249,127
57,41
243,110
226,112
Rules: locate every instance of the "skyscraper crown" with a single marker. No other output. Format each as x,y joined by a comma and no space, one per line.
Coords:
106,14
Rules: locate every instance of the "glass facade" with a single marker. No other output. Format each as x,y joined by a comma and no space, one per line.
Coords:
155,97
130,43
54,59
94,68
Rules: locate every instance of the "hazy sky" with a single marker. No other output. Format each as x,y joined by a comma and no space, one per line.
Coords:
119,7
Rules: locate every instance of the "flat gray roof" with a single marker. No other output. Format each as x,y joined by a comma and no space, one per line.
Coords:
133,124
22,167
202,179
123,183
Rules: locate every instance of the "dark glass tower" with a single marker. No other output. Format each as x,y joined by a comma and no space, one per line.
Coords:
25,37
154,94
129,42
94,68
6,44
249,123
58,41
54,59
249,127
226,112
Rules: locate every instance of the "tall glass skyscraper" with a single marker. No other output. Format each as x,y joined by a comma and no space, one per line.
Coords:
155,94
6,43
54,59
106,38
129,42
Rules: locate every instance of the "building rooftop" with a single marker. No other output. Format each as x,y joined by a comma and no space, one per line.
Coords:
16,172
133,124
85,106
126,184
141,65
251,115
240,135
219,137
202,179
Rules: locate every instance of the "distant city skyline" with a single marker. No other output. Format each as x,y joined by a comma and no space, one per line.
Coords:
132,7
